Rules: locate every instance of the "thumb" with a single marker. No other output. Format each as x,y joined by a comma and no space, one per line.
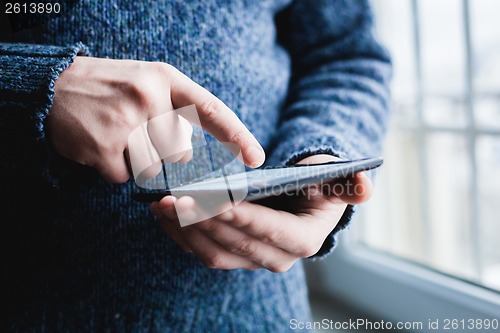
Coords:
355,189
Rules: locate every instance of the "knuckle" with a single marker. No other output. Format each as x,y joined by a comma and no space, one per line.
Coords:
238,138
104,150
280,267
112,177
309,250
211,109
209,226
240,220
124,117
273,236
144,95
164,68
136,90
214,261
147,91
120,179
245,246
165,72
109,150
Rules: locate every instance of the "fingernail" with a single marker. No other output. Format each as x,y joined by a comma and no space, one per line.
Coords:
227,216
257,155
170,198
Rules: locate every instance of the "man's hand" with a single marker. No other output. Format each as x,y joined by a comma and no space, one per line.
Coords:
99,102
254,236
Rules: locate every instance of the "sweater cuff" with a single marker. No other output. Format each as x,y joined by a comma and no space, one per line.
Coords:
291,152
331,240
29,75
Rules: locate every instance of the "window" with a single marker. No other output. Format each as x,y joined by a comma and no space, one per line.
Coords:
437,198
427,245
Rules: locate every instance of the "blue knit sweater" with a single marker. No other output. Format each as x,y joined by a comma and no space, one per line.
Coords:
306,77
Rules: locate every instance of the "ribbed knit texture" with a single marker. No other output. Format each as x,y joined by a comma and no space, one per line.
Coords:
81,256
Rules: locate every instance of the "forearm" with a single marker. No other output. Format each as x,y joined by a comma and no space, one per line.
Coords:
338,97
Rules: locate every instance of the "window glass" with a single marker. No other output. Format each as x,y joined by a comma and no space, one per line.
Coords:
486,64
443,61
488,156
436,199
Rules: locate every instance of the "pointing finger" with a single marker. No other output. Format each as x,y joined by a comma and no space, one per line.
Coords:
217,118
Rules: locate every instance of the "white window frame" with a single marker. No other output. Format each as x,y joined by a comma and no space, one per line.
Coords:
392,288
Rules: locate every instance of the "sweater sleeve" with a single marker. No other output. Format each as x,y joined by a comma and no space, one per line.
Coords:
338,96
27,76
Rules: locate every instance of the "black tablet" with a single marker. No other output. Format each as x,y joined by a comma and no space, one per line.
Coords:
265,182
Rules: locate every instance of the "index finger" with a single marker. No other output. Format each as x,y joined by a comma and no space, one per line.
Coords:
217,118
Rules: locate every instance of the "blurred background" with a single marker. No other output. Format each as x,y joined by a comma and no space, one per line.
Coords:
427,246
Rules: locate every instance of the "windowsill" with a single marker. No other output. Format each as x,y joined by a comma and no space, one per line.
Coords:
325,308
381,286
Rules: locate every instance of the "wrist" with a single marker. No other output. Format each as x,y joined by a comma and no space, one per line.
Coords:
319,158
